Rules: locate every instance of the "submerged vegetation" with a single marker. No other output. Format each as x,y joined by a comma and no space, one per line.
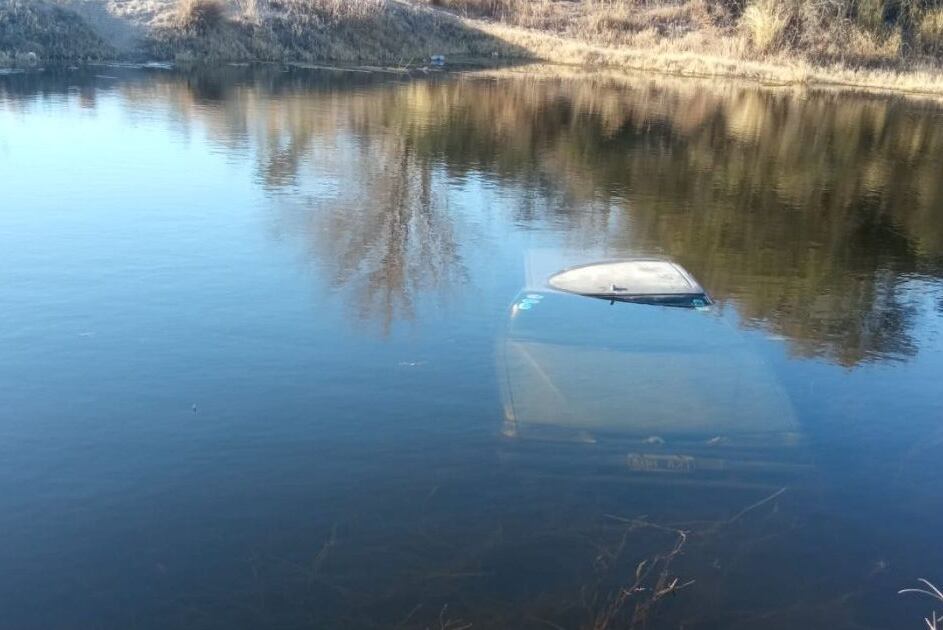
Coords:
934,621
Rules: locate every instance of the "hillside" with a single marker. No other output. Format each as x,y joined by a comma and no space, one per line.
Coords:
885,44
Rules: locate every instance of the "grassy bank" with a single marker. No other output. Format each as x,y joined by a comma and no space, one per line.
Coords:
35,31
354,31
890,44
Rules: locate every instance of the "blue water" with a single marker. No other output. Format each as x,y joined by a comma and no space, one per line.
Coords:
251,329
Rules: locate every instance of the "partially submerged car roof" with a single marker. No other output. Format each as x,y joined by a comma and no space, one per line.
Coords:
645,280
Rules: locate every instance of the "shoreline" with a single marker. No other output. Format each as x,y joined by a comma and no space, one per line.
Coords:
487,44
526,68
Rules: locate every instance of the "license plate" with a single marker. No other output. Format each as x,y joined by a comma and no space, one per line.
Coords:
661,463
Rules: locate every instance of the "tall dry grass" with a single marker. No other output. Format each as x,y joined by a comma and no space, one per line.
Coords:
858,33
37,30
200,15
769,24
352,31
485,8
930,31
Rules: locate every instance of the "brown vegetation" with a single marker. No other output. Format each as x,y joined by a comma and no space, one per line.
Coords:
930,31
200,15
730,37
42,30
359,31
822,30
894,44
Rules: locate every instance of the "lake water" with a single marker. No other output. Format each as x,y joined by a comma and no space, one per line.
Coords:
264,360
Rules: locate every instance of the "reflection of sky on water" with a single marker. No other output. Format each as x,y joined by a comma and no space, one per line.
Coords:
322,269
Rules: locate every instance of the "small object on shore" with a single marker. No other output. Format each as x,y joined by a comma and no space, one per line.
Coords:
437,60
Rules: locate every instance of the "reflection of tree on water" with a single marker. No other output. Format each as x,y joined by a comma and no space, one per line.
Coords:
386,238
390,238
807,214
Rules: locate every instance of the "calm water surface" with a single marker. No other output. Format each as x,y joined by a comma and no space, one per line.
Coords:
263,361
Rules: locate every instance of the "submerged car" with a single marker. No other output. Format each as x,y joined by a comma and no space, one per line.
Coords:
629,358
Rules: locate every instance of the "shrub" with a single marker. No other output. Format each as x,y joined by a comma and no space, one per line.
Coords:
930,31
769,24
870,14
200,15
49,31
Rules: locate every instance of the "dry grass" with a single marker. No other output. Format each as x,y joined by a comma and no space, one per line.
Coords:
36,31
352,31
930,31
889,44
814,50
601,21
934,621
768,23
503,9
852,33
200,15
